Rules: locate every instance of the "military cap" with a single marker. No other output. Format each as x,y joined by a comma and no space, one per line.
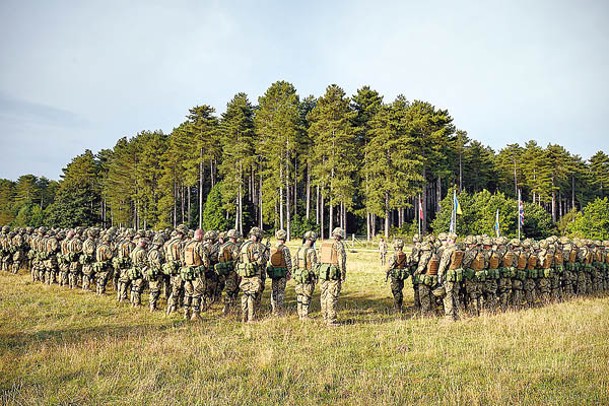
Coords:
281,235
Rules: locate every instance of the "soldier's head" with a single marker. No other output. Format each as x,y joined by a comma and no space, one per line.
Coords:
182,230
514,243
6,229
452,238
487,243
198,236
255,234
222,236
210,236
158,240
398,244
107,238
281,235
338,233
442,237
232,234
470,241
92,233
143,242
416,238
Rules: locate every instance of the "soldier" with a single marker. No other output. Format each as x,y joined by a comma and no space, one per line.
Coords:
19,248
228,254
279,269
493,259
557,274
332,273
87,257
397,272
154,273
122,265
507,272
546,271
250,268
569,275
450,276
473,264
139,263
426,266
413,261
172,266
606,265
212,282
5,253
74,253
530,293
597,266
193,275
51,248
383,251
63,259
103,264
304,274
521,261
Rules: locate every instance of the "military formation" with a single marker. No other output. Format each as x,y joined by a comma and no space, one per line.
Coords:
496,274
192,269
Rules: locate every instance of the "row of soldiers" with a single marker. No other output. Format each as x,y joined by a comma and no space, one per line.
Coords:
194,269
484,273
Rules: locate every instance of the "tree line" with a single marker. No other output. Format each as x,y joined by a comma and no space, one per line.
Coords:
357,162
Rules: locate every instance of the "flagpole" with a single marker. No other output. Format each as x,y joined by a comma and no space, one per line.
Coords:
419,216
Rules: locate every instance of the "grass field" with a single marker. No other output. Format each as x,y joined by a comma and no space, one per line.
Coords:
59,347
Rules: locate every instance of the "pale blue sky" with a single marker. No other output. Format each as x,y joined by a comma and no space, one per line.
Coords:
78,75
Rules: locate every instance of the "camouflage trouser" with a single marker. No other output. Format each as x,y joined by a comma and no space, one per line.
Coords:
50,271
193,296
530,295
589,286
124,285
262,287
597,278
137,287
101,279
330,290
473,289
504,292
211,287
397,290
490,294
544,289
18,257
87,276
231,290
451,300
555,290
383,258
73,275
517,296
177,288
427,299
64,271
277,295
252,289
567,284
581,283
6,262
304,294
154,283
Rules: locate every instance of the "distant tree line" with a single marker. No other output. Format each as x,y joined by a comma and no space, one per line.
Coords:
303,163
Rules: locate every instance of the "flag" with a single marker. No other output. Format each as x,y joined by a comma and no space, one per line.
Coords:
456,205
420,208
496,227
520,210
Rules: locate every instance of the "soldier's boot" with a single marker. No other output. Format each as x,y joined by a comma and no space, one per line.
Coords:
196,315
226,308
186,313
137,298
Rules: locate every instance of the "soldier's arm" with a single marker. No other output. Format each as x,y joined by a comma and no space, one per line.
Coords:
288,259
444,261
342,260
391,263
423,259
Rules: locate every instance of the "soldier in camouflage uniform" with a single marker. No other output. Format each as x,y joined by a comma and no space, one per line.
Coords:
228,254
426,266
19,249
51,247
332,273
279,269
5,253
473,263
172,266
87,258
304,274
397,272
530,293
413,261
139,264
251,270
557,272
103,263
196,263
450,275
212,282
63,259
154,271
597,266
507,272
493,259
569,275
383,251
122,265
74,253
546,268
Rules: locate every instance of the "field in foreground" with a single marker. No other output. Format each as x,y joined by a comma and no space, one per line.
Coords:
60,346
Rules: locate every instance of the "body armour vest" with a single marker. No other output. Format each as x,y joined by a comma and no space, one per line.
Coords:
493,262
328,254
191,256
277,258
456,260
433,264
400,260
532,262
508,259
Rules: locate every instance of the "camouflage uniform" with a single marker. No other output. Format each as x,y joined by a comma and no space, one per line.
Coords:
530,293
450,273
196,263
279,269
139,263
18,244
228,254
212,281
251,269
103,264
50,263
521,261
304,275
171,268
427,256
383,252
154,271
63,259
507,273
334,259
74,252
86,259
546,271
122,265
5,248
414,261
493,259
397,272
473,263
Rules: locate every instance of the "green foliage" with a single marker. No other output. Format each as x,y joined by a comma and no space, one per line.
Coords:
29,215
7,196
594,223
566,224
213,213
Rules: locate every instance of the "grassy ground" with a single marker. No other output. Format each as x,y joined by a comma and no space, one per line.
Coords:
59,346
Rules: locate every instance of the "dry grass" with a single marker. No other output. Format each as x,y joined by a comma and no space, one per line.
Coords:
59,346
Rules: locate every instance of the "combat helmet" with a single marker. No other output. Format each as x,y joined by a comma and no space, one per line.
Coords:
256,232
399,243
338,232
281,235
310,235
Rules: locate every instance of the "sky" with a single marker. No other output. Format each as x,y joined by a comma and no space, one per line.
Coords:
77,75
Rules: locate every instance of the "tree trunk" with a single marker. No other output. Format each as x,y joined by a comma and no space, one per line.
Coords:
424,199
572,191
321,214
553,202
308,204
368,227
438,193
201,188
387,213
281,197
